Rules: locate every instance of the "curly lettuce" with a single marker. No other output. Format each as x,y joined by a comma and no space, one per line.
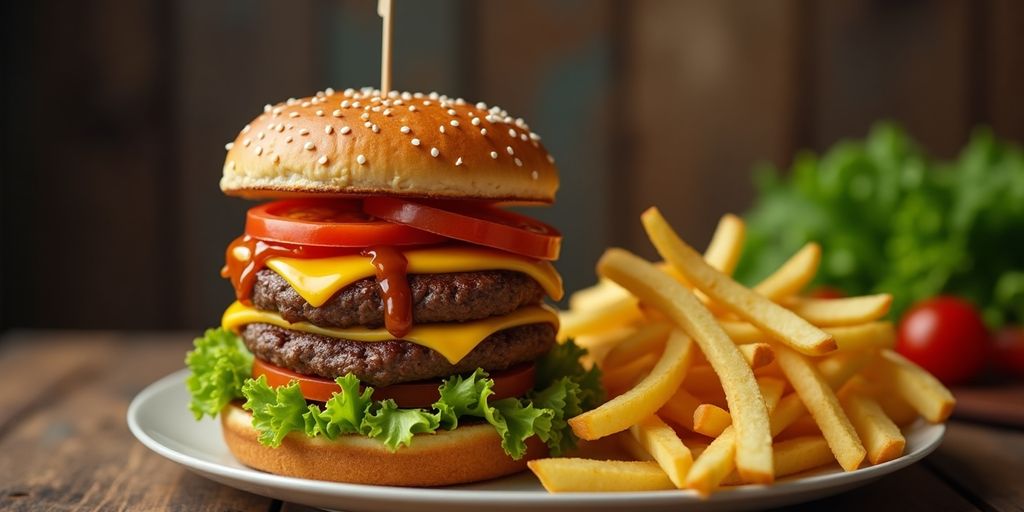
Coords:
221,367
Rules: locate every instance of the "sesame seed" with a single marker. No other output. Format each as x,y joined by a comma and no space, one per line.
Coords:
412,108
260,135
534,136
361,159
229,145
305,104
441,128
534,175
418,95
246,128
432,95
322,160
328,129
404,129
451,111
309,146
344,103
375,128
454,122
375,109
481,106
522,137
303,132
426,103
293,114
355,104
329,91
387,112
483,131
277,111
345,130
406,96
288,138
494,155
349,91
511,133
277,158
267,107
519,163
458,161
258,150
319,113
279,128
551,159
231,165
336,113
367,124
510,150
291,101
364,116
434,152
475,121
415,142
246,142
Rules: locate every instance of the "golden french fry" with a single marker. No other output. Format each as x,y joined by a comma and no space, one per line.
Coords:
679,409
780,323
632,447
881,437
791,408
723,253
586,475
869,336
598,319
822,403
796,455
647,338
896,408
750,418
662,443
839,368
918,387
598,295
742,333
844,311
641,400
757,354
619,378
710,420
793,275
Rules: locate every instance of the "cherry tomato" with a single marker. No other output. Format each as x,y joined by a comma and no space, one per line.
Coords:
826,292
472,222
946,336
328,223
515,381
1009,350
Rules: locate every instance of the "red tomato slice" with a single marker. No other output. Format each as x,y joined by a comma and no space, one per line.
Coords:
472,222
515,381
328,223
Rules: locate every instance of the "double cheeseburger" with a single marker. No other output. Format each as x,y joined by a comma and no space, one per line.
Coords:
390,325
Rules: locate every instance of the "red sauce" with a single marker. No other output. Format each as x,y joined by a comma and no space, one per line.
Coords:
390,266
242,272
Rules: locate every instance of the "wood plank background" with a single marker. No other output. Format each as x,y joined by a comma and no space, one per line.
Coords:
116,112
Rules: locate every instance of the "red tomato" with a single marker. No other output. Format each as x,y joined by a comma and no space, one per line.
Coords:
826,292
328,223
472,222
946,336
1009,350
515,381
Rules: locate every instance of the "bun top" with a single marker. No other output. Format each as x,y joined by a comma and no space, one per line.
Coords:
358,143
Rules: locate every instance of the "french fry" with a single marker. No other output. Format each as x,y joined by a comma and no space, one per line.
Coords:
780,323
796,455
579,322
641,400
662,443
918,387
757,354
645,339
822,403
710,420
632,447
750,418
793,275
896,408
742,333
619,378
586,475
869,336
844,311
839,368
723,253
679,409
881,437
595,296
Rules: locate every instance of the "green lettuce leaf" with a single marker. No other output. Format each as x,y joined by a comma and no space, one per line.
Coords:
516,421
463,396
275,412
563,398
344,413
564,361
395,427
220,365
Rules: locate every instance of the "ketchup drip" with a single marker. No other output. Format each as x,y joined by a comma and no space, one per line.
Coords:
390,266
247,255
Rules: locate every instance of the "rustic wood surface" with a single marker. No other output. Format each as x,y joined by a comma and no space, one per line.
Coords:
65,444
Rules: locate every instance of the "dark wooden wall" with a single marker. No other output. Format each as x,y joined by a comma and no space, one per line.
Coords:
116,112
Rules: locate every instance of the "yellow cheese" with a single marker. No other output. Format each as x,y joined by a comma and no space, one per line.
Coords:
451,340
316,280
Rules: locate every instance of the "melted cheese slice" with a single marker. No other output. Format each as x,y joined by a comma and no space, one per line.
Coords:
451,340
317,280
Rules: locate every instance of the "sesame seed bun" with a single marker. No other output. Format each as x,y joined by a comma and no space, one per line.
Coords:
469,453
408,145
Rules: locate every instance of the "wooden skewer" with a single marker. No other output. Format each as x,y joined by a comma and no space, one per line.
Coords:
384,10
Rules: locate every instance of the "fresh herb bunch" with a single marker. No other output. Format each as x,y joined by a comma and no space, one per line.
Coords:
892,219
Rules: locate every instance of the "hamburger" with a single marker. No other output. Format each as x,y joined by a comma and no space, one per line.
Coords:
390,324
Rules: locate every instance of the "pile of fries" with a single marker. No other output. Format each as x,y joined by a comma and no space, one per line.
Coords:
714,384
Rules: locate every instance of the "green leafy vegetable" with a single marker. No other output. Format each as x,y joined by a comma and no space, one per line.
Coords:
221,367
891,219
219,364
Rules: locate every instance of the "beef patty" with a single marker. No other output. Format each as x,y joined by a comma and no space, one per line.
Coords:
452,297
391,362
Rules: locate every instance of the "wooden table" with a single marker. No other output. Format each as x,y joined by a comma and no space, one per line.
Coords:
64,443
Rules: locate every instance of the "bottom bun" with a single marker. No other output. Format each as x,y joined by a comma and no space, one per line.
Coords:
469,453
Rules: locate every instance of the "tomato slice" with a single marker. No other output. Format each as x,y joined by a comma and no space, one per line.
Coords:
515,381
328,223
472,222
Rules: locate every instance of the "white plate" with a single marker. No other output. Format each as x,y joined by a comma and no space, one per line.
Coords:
159,418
